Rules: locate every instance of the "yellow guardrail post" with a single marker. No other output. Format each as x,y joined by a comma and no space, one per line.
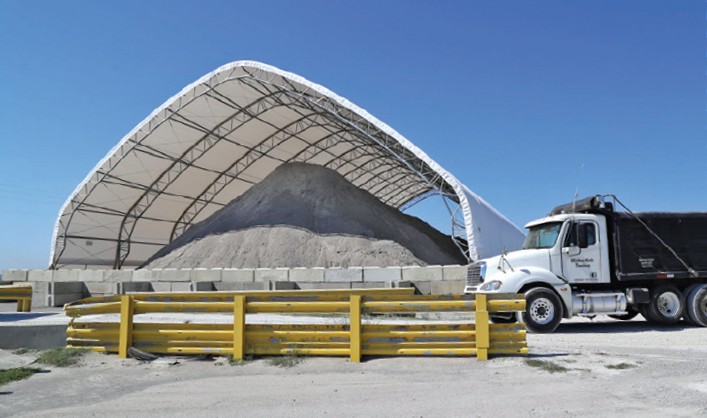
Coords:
355,329
238,327
126,325
482,327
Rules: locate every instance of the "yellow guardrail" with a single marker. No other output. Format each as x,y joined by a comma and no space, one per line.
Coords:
354,339
22,293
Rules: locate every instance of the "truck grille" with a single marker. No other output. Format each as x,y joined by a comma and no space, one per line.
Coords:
473,275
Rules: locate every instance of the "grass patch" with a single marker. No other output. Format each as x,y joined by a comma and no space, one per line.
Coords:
548,366
62,357
20,351
620,366
285,361
12,375
239,362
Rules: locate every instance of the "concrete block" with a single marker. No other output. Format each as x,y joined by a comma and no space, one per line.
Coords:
237,275
115,276
351,274
234,286
427,274
142,275
267,275
205,275
283,286
170,275
63,298
181,287
40,287
371,285
423,288
14,275
323,286
65,276
39,275
132,287
91,275
382,274
301,274
448,287
39,300
161,287
454,273
101,287
58,288
202,286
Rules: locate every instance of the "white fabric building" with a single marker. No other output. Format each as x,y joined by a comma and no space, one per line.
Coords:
227,131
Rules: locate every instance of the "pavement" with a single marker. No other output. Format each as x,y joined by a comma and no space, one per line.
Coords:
607,368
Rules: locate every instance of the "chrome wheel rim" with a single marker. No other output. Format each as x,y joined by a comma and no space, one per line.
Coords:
542,311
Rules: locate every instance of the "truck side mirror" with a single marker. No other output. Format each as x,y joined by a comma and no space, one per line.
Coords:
582,236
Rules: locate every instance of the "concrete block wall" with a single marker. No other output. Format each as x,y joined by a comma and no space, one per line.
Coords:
57,287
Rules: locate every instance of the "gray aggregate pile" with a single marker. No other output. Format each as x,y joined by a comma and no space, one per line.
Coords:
305,215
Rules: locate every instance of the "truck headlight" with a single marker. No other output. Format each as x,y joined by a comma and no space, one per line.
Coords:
491,286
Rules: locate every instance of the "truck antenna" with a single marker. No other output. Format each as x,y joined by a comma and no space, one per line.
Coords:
576,189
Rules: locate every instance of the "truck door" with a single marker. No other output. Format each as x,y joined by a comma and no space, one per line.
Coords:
582,265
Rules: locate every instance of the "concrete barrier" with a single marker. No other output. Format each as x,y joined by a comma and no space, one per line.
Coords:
14,275
205,275
426,280
382,274
349,275
266,275
454,273
237,275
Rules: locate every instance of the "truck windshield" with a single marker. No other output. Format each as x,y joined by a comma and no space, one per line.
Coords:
542,236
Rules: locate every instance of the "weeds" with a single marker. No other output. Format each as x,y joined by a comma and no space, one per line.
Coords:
285,361
12,375
239,362
62,357
20,351
548,366
620,366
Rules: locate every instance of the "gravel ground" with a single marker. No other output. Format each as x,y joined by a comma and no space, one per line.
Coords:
665,375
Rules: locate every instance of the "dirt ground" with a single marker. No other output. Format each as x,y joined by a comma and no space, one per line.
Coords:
661,372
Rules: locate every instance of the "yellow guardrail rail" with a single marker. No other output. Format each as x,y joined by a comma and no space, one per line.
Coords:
21,293
354,339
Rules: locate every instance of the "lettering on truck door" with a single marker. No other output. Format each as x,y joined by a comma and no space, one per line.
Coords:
582,265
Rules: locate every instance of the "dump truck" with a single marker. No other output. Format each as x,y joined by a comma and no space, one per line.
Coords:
587,258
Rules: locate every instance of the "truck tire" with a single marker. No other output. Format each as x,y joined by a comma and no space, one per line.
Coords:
629,316
666,306
543,310
511,318
697,306
686,292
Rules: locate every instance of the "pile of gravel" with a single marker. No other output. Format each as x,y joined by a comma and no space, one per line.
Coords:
305,215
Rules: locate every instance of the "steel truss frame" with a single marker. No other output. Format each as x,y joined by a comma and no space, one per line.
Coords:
378,162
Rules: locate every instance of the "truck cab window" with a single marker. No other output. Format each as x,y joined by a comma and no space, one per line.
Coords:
542,236
571,240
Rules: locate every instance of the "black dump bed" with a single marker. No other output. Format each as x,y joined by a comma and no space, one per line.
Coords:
638,255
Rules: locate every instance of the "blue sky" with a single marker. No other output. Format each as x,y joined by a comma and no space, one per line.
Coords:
524,101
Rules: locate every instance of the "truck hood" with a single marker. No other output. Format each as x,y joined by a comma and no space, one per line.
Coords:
517,260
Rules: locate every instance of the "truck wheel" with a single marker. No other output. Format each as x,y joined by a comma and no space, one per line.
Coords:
697,306
543,310
510,318
666,306
685,316
629,316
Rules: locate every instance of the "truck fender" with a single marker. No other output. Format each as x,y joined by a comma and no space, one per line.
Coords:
530,277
